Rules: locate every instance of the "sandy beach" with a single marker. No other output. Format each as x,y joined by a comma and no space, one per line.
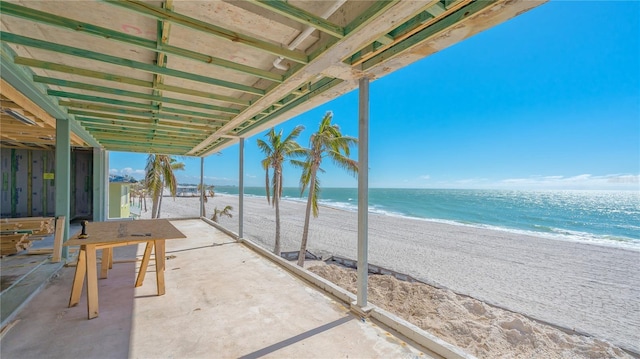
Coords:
586,288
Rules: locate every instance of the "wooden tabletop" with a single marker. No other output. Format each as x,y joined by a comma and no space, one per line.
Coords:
126,231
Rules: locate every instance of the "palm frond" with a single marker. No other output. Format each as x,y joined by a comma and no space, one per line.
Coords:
341,161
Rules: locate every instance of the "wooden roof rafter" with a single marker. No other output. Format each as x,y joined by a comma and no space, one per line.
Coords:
75,25
132,94
167,131
183,20
125,80
151,68
177,120
74,106
301,16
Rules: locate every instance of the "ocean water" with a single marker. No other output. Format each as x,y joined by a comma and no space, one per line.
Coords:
604,217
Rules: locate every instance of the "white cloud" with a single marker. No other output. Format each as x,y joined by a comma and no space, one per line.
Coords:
128,171
425,177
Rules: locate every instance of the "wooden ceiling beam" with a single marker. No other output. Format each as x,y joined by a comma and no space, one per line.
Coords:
301,16
165,130
459,13
181,121
124,135
164,151
145,113
132,94
123,79
74,25
186,21
179,127
25,103
86,54
153,148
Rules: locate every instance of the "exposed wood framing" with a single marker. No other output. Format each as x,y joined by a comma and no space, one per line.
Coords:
302,16
182,77
74,25
211,29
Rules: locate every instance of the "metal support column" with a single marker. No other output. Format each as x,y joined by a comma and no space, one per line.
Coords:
241,190
62,177
201,186
363,191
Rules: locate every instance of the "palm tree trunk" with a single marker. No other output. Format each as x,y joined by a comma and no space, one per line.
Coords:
276,201
305,230
160,200
154,205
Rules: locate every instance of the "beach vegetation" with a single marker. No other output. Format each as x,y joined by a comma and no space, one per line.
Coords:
278,149
159,175
217,213
327,142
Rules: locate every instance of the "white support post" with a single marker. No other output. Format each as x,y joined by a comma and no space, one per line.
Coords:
241,190
363,192
201,186
99,189
62,177
105,185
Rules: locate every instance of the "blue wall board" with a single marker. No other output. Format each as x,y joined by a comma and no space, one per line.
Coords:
5,185
27,187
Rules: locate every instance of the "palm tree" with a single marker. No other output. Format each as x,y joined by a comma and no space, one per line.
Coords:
226,211
327,142
277,151
159,174
209,191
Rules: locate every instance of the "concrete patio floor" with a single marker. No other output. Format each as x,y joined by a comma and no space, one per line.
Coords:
223,300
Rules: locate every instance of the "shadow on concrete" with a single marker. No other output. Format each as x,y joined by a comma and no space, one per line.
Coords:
298,338
52,326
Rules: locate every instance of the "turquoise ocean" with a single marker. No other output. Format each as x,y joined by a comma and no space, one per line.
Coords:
604,217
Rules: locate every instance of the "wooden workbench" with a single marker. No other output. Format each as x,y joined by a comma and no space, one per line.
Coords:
106,236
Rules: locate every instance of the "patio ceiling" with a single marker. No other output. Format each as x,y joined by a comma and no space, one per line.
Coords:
191,77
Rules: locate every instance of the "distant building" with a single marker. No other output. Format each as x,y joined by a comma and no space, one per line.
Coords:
120,195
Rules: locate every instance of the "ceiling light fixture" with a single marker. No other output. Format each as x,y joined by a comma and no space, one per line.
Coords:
18,116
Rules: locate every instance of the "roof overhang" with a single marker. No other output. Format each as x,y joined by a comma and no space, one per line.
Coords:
191,77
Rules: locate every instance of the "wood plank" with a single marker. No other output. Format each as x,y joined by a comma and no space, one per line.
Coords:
24,102
130,232
58,238
144,264
176,18
302,16
48,18
122,79
74,51
39,251
92,281
23,219
78,278
104,263
160,265
139,95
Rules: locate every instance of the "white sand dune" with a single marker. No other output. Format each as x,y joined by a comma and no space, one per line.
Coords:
589,288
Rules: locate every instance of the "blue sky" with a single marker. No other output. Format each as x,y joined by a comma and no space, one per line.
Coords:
547,100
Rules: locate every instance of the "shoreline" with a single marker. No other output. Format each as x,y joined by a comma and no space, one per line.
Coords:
622,242
590,288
